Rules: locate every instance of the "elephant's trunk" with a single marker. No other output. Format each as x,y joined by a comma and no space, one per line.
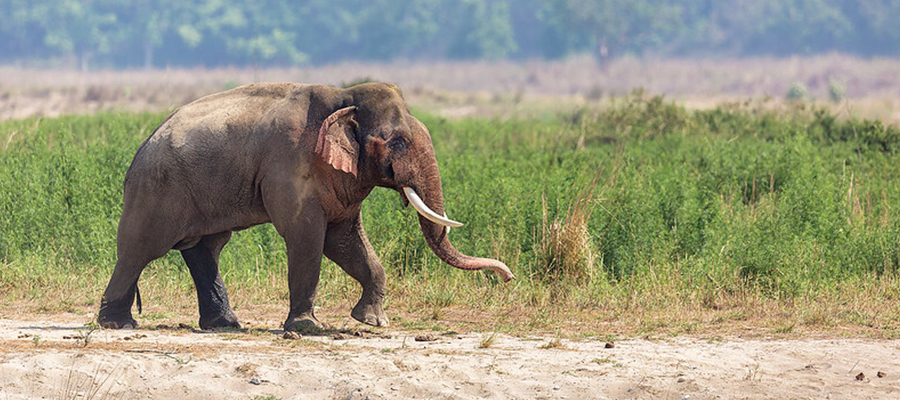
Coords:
433,225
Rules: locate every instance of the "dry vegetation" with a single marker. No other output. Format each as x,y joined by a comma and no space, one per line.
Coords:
480,88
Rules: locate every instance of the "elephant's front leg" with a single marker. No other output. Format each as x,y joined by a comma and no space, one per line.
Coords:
304,241
299,218
347,245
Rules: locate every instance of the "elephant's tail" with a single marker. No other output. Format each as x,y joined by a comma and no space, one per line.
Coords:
137,294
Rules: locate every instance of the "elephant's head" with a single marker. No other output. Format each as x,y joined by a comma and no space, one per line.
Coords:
374,138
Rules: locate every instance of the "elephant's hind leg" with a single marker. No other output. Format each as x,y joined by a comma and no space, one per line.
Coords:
134,252
347,245
203,262
115,307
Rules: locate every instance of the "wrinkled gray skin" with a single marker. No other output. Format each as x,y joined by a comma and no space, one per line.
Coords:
255,154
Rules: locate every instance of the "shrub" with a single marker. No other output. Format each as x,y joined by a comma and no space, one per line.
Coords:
797,92
566,248
836,91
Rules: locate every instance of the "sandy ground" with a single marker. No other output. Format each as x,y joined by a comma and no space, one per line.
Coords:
48,359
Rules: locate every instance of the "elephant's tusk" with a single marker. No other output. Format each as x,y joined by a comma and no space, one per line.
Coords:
426,212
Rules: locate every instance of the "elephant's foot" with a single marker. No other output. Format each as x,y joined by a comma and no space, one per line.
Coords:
303,323
225,320
116,321
369,313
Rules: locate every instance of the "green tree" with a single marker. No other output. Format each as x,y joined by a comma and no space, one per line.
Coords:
20,36
390,29
482,30
610,27
146,24
78,28
266,33
874,27
783,27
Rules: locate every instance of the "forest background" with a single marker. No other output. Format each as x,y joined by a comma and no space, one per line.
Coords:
91,34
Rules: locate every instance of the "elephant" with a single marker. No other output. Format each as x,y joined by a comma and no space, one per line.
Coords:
300,156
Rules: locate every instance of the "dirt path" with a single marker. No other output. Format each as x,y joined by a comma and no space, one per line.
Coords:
48,359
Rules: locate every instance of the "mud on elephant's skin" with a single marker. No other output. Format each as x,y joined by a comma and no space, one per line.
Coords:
302,157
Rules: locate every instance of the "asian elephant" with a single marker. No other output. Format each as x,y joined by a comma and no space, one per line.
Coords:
302,157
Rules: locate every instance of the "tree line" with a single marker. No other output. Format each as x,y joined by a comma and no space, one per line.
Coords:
159,33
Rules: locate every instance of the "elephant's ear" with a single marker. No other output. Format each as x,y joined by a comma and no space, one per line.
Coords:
337,141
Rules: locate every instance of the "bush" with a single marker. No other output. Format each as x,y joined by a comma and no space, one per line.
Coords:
567,249
836,91
797,92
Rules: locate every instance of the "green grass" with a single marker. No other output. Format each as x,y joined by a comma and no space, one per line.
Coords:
682,218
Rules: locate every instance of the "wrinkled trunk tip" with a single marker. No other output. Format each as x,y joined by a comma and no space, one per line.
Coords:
503,271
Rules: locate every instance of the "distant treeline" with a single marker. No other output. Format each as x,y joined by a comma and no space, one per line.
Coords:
156,33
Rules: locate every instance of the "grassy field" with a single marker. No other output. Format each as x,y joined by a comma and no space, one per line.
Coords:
642,218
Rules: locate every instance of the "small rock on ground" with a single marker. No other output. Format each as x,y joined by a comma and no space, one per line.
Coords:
426,338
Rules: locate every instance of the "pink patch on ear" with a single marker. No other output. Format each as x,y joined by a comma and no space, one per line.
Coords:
336,143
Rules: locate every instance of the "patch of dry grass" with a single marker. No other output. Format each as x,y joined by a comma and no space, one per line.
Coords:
566,250
478,88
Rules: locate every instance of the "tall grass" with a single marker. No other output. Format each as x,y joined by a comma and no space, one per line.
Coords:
566,247
640,212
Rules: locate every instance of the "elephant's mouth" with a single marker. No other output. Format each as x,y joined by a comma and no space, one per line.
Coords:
403,198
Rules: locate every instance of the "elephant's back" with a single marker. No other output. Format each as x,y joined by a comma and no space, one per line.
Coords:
229,124
220,137
227,116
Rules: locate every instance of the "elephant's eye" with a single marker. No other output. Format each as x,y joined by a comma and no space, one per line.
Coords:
398,144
